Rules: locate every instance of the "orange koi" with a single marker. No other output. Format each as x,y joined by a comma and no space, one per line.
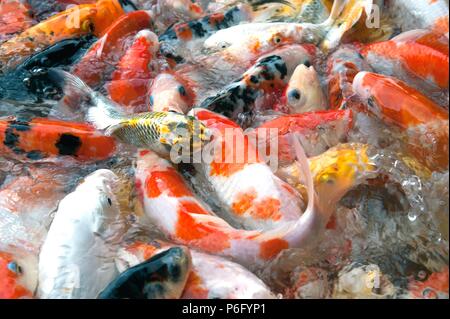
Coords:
110,47
396,103
421,54
130,80
75,21
42,138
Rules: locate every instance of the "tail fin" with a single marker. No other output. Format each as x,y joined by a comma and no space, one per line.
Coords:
102,112
336,10
344,15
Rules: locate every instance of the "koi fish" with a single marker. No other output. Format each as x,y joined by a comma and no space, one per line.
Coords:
211,277
163,276
77,257
434,287
236,174
185,38
419,54
42,138
170,205
310,11
318,132
396,103
164,132
168,12
265,80
342,67
171,92
110,47
131,78
15,17
304,92
421,14
18,278
74,22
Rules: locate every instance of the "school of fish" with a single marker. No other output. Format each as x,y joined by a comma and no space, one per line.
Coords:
224,149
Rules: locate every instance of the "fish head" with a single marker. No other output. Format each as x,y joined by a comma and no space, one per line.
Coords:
170,270
103,184
168,93
302,87
340,169
18,277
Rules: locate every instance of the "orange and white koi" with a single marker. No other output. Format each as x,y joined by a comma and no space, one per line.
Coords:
236,173
418,53
261,84
211,277
396,103
15,17
318,132
42,138
18,276
168,12
130,80
171,92
75,21
107,51
170,204
304,92
342,67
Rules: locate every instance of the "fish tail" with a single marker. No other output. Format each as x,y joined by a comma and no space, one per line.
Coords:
104,114
336,10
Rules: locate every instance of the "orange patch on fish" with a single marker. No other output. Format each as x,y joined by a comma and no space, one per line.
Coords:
10,288
183,31
191,207
206,236
166,182
194,288
269,249
243,202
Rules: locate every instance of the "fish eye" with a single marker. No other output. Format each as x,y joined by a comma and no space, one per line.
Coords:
151,100
294,94
86,26
182,90
307,63
277,39
15,268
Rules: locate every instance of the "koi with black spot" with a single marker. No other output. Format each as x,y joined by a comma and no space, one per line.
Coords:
75,21
42,138
261,85
185,37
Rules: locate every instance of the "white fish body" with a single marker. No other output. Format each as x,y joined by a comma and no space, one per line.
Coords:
77,257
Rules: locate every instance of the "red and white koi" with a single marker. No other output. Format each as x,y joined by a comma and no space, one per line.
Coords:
170,204
250,192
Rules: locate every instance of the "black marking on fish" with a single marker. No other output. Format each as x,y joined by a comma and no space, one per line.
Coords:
11,140
109,201
146,280
282,68
68,144
35,155
198,29
128,5
19,125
